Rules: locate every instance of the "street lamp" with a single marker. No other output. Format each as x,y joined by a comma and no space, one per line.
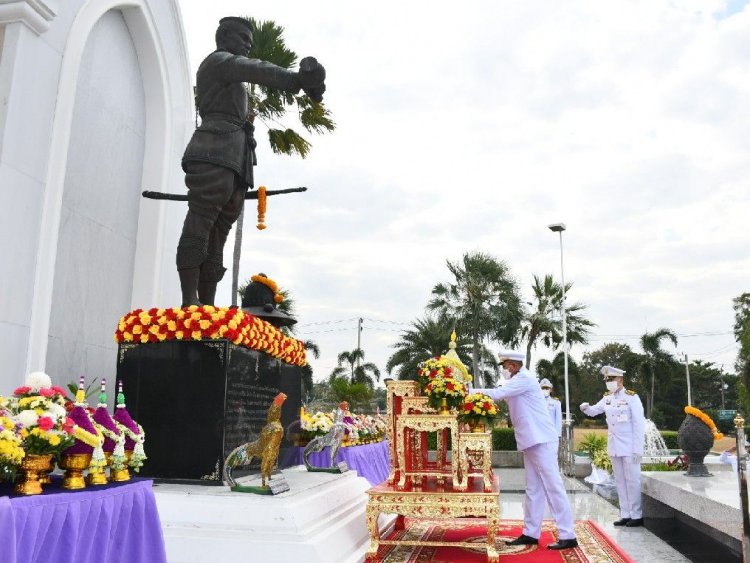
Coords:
568,453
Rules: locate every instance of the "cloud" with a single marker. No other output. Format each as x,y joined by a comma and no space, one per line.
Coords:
473,128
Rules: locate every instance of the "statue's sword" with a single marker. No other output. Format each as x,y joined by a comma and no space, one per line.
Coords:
249,195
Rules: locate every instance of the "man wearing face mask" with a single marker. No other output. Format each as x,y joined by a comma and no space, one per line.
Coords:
553,405
537,438
626,434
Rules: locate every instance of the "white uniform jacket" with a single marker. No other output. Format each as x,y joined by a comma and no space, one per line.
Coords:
625,422
555,411
529,414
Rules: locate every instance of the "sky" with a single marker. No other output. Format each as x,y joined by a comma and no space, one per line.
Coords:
471,127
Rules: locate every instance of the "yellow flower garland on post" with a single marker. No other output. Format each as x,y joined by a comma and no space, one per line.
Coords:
705,419
262,198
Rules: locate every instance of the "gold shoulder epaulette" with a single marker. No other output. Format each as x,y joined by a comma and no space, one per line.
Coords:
629,392
606,393
556,398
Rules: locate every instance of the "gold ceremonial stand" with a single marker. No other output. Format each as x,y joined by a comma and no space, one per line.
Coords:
420,488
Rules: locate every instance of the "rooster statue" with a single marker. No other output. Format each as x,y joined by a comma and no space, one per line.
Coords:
266,447
331,439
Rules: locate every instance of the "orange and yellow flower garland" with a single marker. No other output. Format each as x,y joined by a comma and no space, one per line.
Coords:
209,323
703,417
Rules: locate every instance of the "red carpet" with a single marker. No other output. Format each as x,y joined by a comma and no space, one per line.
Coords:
593,544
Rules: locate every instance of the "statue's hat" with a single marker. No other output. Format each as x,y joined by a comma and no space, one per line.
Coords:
260,298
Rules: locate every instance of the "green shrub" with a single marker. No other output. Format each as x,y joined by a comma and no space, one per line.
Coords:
504,439
601,459
670,439
592,443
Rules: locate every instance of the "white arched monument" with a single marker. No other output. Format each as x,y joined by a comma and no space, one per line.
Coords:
95,106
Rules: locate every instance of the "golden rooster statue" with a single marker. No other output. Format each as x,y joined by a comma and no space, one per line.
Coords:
265,447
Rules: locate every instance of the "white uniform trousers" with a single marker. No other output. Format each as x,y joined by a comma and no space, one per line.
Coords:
628,479
545,486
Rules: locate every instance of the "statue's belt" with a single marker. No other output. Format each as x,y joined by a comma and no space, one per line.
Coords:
217,123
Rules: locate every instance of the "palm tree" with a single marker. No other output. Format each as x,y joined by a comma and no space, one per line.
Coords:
271,105
651,344
545,322
554,370
358,372
483,299
429,337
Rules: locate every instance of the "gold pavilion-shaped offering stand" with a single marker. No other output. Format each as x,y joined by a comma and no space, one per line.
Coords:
418,486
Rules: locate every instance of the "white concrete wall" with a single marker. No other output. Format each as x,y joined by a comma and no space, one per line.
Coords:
96,243
53,160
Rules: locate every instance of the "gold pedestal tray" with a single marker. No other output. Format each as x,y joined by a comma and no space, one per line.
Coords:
32,467
74,465
434,501
118,475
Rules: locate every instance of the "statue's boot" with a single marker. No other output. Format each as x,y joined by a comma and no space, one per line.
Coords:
207,292
189,285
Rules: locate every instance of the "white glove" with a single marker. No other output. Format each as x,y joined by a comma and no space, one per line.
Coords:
584,406
637,458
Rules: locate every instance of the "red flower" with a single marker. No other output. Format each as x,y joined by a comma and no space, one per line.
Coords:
487,406
47,392
448,371
468,407
69,425
45,423
58,390
450,386
22,390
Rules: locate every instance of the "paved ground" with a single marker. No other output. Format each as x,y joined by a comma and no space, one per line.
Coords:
638,543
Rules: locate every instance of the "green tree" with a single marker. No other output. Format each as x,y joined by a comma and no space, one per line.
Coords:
358,372
544,321
430,337
484,300
358,395
741,306
657,358
269,105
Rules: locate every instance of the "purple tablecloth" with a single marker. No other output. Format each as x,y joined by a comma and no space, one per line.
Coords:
113,525
370,461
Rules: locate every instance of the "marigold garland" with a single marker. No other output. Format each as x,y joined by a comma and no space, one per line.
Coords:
210,323
261,208
703,417
270,284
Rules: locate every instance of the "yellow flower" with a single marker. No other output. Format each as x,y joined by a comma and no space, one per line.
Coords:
54,440
144,338
137,329
179,335
171,325
127,336
197,335
204,324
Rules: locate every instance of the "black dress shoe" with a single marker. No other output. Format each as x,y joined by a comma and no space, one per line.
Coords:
523,540
563,544
635,522
622,522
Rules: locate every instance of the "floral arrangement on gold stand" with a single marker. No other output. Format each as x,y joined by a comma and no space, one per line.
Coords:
445,393
478,411
86,452
39,417
11,445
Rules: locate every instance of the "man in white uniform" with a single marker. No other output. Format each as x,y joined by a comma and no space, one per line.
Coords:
627,431
537,438
553,405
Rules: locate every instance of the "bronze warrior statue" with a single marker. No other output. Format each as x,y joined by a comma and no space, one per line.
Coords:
219,159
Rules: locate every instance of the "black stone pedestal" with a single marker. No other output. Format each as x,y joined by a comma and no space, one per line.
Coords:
198,400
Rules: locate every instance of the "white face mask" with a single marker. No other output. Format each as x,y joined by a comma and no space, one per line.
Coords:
611,386
546,392
505,373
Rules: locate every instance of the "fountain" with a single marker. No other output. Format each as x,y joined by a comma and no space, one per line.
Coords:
654,447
